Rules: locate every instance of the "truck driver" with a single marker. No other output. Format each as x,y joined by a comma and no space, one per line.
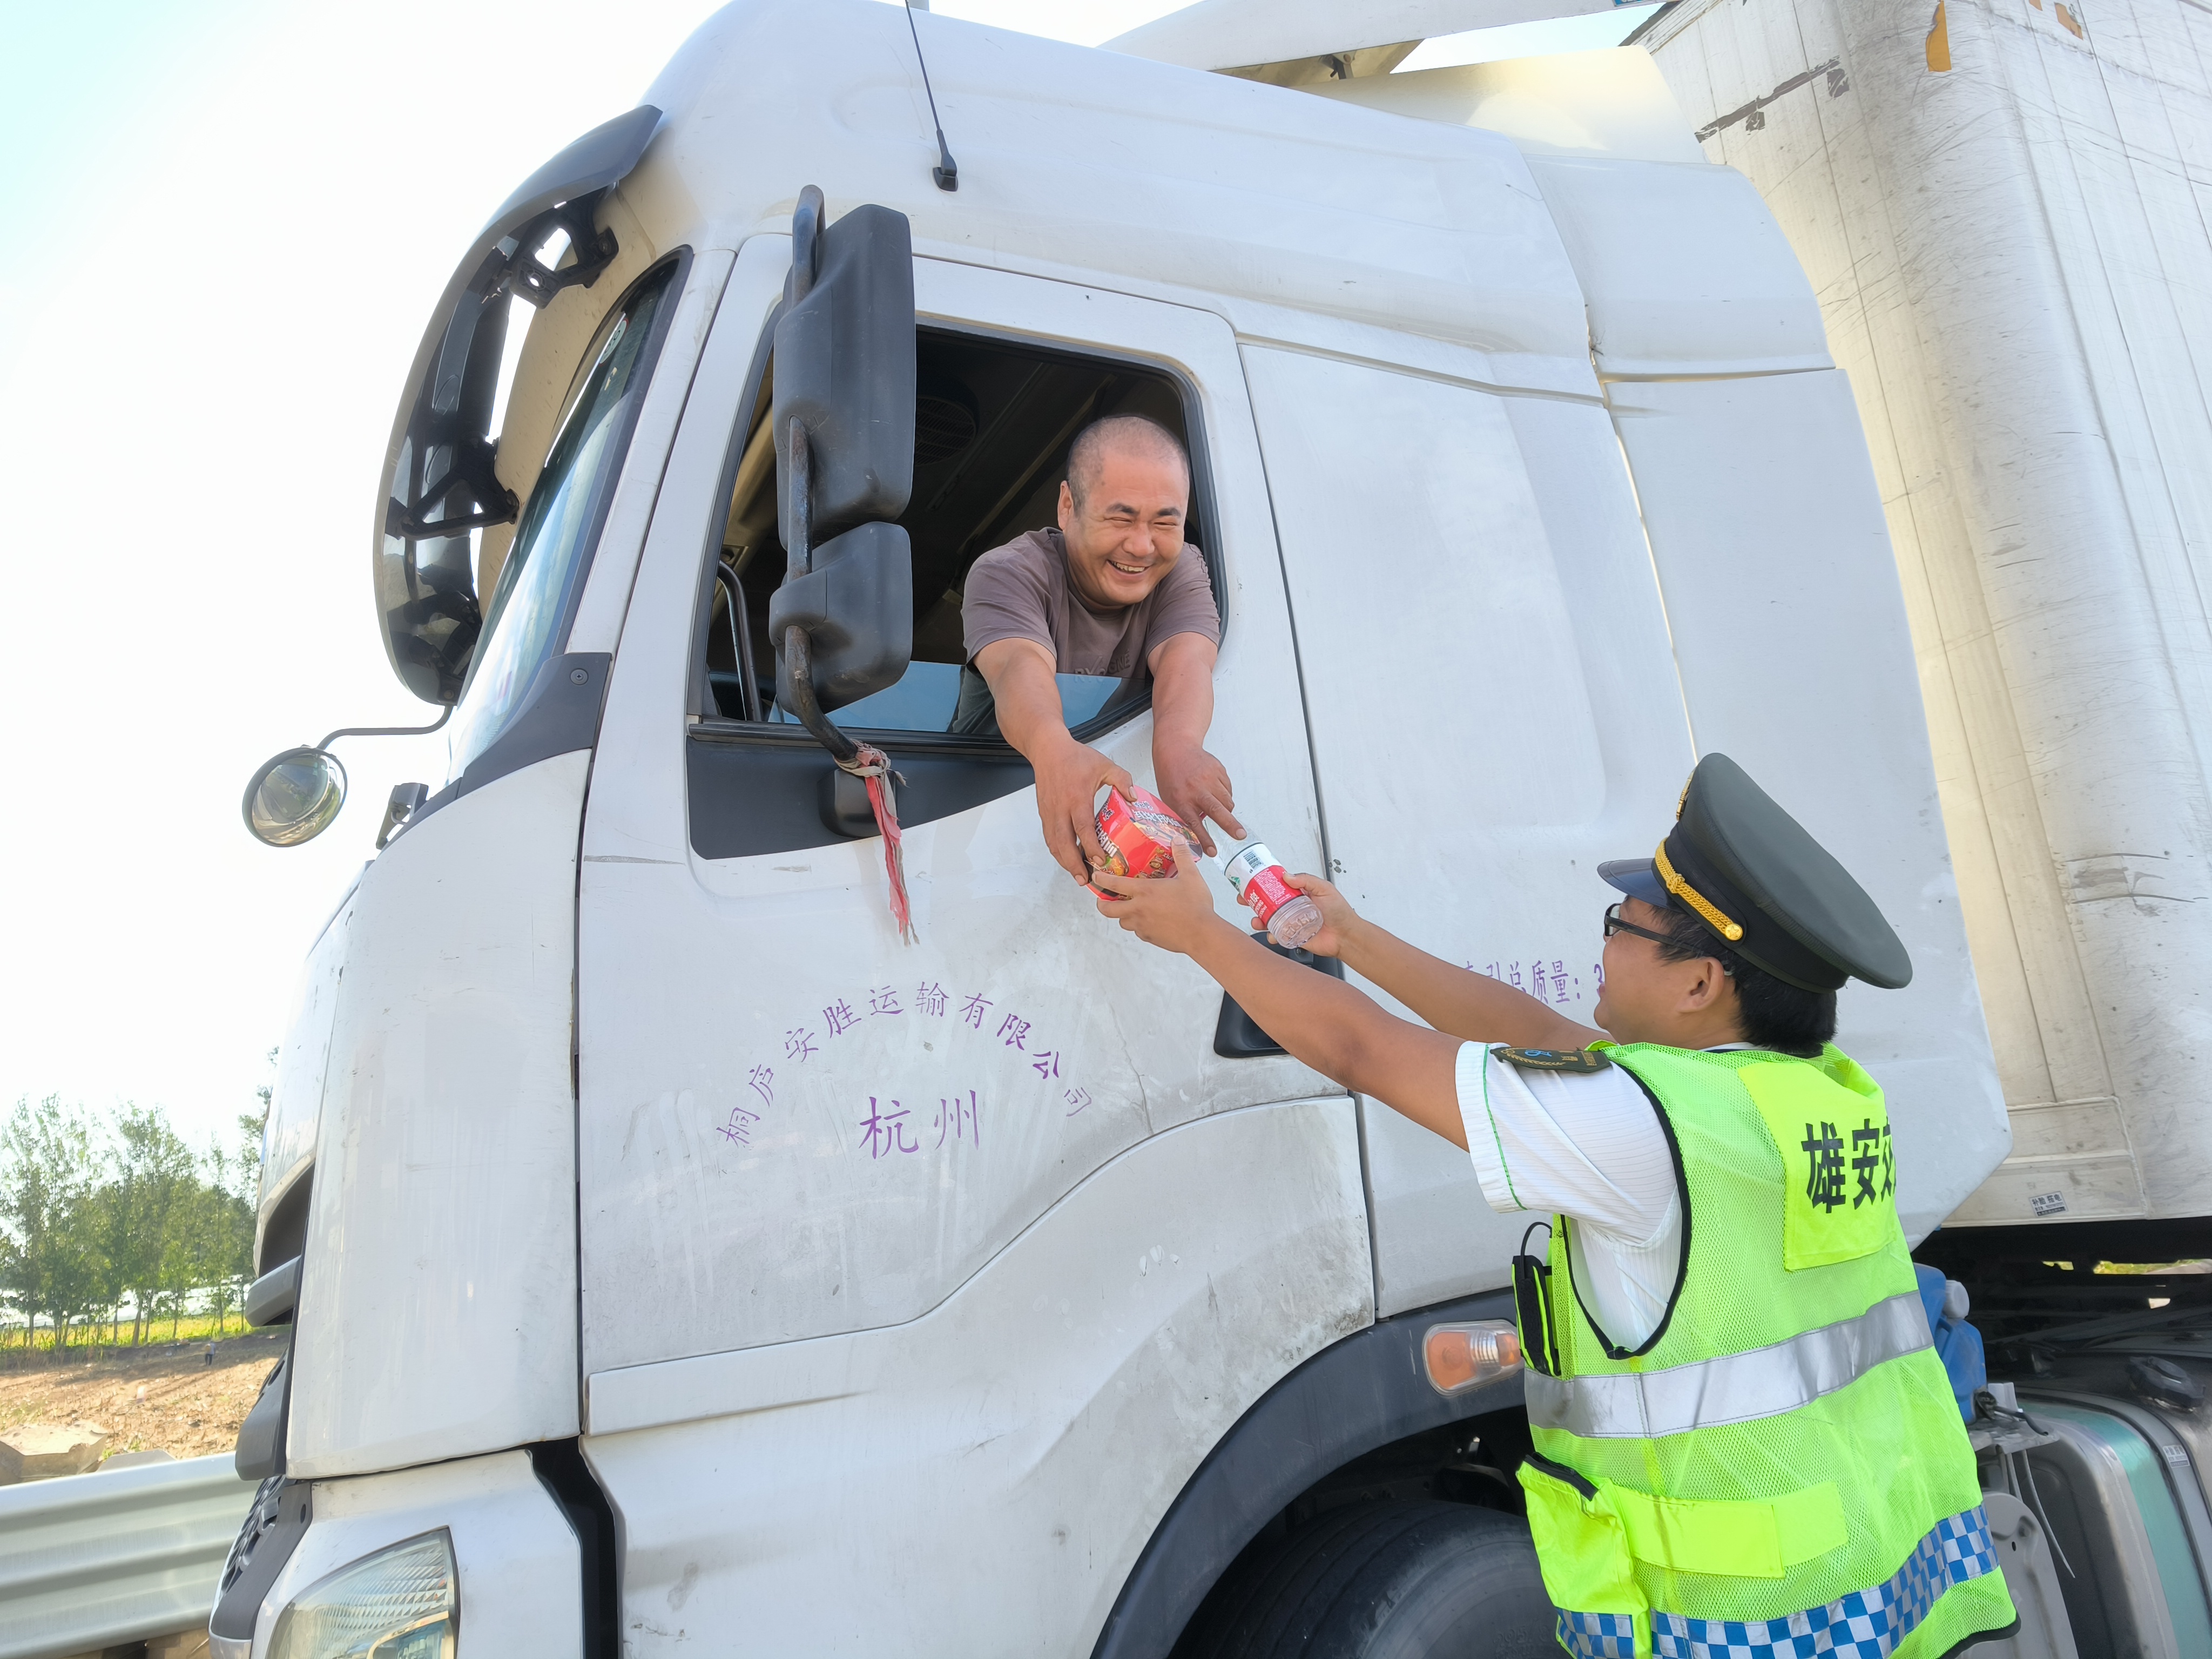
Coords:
1744,1440
1114,591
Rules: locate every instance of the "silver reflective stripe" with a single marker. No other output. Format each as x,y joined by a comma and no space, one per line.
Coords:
1738,1388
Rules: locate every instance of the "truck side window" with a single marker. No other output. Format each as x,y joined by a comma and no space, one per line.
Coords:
528,615
992,424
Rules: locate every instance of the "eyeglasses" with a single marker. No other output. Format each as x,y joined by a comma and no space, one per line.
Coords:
1613,925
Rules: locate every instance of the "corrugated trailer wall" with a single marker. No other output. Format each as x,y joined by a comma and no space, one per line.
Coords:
2003,206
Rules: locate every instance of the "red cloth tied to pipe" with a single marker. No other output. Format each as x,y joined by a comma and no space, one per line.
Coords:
873,766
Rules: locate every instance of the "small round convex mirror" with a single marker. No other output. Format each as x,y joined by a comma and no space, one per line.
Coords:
294,797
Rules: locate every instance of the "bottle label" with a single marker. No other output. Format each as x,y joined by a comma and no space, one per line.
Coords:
1241,867
1259,881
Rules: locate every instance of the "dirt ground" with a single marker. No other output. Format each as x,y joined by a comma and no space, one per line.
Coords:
190,1408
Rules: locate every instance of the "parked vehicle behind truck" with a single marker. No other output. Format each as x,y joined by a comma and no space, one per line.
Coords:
674,1254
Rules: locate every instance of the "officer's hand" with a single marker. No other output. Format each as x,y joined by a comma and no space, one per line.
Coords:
1173,913
1338,918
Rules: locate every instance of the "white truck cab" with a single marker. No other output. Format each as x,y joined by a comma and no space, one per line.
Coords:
677,1259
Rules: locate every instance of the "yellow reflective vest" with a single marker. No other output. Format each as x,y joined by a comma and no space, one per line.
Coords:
1780,1469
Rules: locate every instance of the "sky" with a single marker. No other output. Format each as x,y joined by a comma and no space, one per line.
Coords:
221,230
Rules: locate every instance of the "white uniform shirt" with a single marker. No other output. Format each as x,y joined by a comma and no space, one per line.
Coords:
1588,1146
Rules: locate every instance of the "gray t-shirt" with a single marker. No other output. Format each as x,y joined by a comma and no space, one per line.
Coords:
1022,592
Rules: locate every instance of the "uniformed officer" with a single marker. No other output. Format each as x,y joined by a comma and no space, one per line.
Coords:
1744,1440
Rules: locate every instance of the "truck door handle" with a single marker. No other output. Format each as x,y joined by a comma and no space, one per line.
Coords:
1235,1035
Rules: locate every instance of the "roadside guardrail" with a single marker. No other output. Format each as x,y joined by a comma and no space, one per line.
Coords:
88,1561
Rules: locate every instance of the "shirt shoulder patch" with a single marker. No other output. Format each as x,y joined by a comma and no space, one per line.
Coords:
1585,1061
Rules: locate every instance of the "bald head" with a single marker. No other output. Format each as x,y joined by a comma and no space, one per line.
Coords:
1130,435
1121,508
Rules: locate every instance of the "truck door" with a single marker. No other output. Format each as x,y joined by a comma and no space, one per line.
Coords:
793,1122
1493,703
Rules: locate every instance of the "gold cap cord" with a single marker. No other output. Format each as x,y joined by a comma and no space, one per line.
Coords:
1727,929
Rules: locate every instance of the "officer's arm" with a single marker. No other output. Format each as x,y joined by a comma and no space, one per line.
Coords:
1452,999
1340,1032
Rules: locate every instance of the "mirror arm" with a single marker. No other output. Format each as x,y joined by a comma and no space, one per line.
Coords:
798,695
807,221
387,731
798,648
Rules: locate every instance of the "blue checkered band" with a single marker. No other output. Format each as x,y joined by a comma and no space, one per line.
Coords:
1598,1635
1868,1624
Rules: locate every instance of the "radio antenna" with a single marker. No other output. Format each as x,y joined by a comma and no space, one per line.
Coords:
947,170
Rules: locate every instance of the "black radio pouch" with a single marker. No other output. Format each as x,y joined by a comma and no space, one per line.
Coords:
1532,1307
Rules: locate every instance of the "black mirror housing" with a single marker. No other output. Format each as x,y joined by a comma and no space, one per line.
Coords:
857,605
845,369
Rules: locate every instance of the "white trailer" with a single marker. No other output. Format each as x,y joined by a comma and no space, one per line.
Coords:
2002,205
679,1261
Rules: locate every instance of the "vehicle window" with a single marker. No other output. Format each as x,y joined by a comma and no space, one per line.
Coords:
528,610
992,422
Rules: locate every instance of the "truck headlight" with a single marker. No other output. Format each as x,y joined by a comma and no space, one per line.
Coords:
399,1603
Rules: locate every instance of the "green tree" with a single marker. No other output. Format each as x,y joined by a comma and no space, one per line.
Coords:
183,1255
103,1219
48,1177
252,1132
12,1273
223,1242
154,1172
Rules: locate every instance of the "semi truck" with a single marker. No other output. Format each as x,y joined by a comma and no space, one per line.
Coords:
678,1256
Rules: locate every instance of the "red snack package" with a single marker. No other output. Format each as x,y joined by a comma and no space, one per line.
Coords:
1138,832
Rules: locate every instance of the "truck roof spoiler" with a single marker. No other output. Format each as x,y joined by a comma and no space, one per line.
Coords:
438,482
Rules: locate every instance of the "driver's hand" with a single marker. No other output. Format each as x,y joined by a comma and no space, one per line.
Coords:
1196,786
1068,781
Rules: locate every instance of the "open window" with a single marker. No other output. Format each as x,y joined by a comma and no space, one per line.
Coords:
994,418
992,422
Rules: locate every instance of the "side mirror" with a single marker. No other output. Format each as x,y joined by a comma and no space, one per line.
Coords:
857,607
294,797
842,414
845,369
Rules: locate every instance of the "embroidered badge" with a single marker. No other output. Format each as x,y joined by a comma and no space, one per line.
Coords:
1584,1060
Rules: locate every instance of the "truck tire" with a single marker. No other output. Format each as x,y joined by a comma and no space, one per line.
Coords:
1406,1579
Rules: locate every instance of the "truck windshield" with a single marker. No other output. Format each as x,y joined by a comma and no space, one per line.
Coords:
528,610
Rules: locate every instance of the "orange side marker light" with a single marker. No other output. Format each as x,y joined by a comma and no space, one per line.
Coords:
1457,1358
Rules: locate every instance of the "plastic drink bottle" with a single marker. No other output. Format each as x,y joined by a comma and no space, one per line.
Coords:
1289,917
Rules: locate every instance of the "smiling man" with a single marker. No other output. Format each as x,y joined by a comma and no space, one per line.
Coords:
1116,592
